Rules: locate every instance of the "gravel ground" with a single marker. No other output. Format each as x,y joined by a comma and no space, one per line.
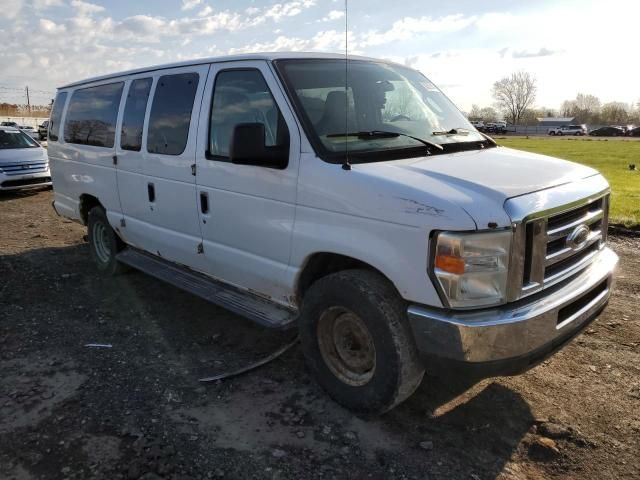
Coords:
136,410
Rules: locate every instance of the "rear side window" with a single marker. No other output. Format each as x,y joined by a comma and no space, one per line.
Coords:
170,116
134,110
56,117
92,114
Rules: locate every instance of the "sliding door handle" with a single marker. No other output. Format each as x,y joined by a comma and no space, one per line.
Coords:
151,191
204,202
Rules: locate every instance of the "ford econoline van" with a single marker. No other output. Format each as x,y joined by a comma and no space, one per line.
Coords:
347,197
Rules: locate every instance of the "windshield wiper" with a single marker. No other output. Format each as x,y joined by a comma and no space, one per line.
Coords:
373,134
453,131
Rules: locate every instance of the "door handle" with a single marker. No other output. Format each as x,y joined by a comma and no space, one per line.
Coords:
204,202
151,191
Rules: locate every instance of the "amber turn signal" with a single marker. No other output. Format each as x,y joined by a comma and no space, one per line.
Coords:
450,264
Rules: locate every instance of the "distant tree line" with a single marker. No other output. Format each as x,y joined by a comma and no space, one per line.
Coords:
17,110
515,95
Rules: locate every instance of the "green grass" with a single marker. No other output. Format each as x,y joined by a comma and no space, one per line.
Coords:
611,158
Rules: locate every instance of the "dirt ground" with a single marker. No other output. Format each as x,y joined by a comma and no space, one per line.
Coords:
137,410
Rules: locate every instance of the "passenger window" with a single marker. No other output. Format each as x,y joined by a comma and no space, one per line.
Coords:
92,114
242,96
170,116
56,117
133,118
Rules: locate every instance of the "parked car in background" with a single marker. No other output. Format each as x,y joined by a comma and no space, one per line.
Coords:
43,128
496,127
422,246
23,161
634,132
568,130
479,124
607,132
29,130
9,124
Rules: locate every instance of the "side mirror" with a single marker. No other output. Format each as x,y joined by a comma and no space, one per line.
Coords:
248,148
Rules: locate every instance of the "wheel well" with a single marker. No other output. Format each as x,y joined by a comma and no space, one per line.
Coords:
322,264
87,202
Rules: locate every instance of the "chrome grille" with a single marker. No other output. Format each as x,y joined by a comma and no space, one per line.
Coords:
562,243
23,168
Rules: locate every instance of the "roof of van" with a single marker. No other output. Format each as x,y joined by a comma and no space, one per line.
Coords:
228,58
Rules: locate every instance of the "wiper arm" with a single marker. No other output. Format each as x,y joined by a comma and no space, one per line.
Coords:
373,134
453,131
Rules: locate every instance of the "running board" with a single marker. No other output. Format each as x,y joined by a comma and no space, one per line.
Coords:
246,304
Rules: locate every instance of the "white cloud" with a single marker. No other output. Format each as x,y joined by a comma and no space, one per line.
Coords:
330,40
289,9
332,15
50,26
408,27
11,10
190,4
207,10
86,8
542,52
44,4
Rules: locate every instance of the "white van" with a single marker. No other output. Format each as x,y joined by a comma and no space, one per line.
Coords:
375,217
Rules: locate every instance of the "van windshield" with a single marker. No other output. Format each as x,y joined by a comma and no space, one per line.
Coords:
15,139
378,97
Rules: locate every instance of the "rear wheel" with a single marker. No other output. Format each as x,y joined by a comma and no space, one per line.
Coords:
357,341
104,244
553,134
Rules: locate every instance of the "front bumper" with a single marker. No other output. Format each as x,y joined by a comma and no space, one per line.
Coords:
513,338
29,180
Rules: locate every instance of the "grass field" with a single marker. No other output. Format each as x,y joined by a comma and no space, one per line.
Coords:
611,158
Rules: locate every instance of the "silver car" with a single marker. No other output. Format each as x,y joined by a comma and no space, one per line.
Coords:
23,162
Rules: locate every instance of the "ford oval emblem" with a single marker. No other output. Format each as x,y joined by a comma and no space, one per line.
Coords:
578,238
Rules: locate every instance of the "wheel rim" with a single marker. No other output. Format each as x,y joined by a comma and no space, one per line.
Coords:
101,243
346,346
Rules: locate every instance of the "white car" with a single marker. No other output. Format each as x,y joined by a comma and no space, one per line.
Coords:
23,162
479,124
32,132
393,234
578,130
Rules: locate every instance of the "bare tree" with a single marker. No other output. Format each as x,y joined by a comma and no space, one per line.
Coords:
514,94
615,112
486,114
585,108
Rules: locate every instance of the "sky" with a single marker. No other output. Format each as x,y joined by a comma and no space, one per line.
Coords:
462,46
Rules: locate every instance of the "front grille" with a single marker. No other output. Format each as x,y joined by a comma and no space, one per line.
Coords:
15,169
562,243
25,182
582,303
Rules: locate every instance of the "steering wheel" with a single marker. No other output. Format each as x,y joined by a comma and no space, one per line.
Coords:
399,117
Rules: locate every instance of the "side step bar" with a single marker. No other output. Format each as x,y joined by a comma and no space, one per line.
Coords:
246,304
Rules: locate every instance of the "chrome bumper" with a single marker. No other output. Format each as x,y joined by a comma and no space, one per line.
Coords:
521,333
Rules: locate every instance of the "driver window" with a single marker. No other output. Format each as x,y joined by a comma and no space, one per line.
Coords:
242,96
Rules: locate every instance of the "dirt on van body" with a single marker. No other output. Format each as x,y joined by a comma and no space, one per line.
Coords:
133,407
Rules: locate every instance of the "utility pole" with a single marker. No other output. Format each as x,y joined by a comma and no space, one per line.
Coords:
28,101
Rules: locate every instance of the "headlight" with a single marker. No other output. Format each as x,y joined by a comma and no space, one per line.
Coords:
471,268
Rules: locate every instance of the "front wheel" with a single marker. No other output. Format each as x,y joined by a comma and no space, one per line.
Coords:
357,341
104,244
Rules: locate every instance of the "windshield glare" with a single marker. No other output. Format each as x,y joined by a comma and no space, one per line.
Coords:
15,139
378,97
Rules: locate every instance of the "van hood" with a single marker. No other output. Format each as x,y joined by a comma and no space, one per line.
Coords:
480,181
20,155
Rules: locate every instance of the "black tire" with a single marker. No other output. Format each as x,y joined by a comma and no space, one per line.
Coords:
369,297
104,244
